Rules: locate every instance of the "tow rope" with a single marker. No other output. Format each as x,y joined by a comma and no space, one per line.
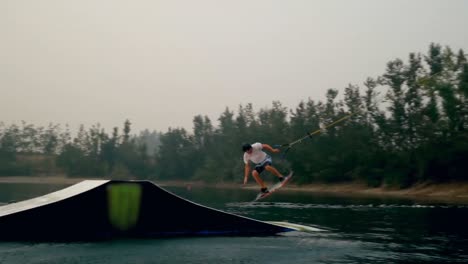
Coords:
310,134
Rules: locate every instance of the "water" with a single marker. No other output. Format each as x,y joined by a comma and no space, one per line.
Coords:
354,230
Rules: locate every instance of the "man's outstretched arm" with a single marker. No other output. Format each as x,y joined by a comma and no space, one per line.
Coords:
269,148
246,173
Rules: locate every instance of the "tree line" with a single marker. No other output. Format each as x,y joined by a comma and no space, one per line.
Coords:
409,125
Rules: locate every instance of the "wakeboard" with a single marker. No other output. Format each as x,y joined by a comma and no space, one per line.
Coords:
274,188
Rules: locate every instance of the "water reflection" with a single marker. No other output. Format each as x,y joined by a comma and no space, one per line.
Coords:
402,230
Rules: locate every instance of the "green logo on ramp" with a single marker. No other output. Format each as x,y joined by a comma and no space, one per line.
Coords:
124,200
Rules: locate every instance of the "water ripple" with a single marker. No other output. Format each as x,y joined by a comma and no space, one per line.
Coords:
339,206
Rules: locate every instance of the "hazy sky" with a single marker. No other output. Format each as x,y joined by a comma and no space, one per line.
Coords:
160,63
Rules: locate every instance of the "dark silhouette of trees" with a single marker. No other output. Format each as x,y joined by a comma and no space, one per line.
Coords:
407,126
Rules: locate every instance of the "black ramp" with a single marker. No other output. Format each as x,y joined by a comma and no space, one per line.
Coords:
114,209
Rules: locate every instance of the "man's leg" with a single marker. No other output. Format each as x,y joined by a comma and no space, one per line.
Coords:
274,171
258,179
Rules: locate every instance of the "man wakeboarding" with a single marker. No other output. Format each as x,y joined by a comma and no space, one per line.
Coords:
254,153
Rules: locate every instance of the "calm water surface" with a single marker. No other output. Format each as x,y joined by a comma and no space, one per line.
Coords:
354,230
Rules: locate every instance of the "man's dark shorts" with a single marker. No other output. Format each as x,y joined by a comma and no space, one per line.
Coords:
261,166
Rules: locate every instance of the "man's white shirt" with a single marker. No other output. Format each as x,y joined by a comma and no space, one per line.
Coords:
257,155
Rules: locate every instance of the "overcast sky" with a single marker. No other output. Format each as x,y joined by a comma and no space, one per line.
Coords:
160,63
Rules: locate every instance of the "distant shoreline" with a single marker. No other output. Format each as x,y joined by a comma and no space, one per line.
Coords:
445,192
